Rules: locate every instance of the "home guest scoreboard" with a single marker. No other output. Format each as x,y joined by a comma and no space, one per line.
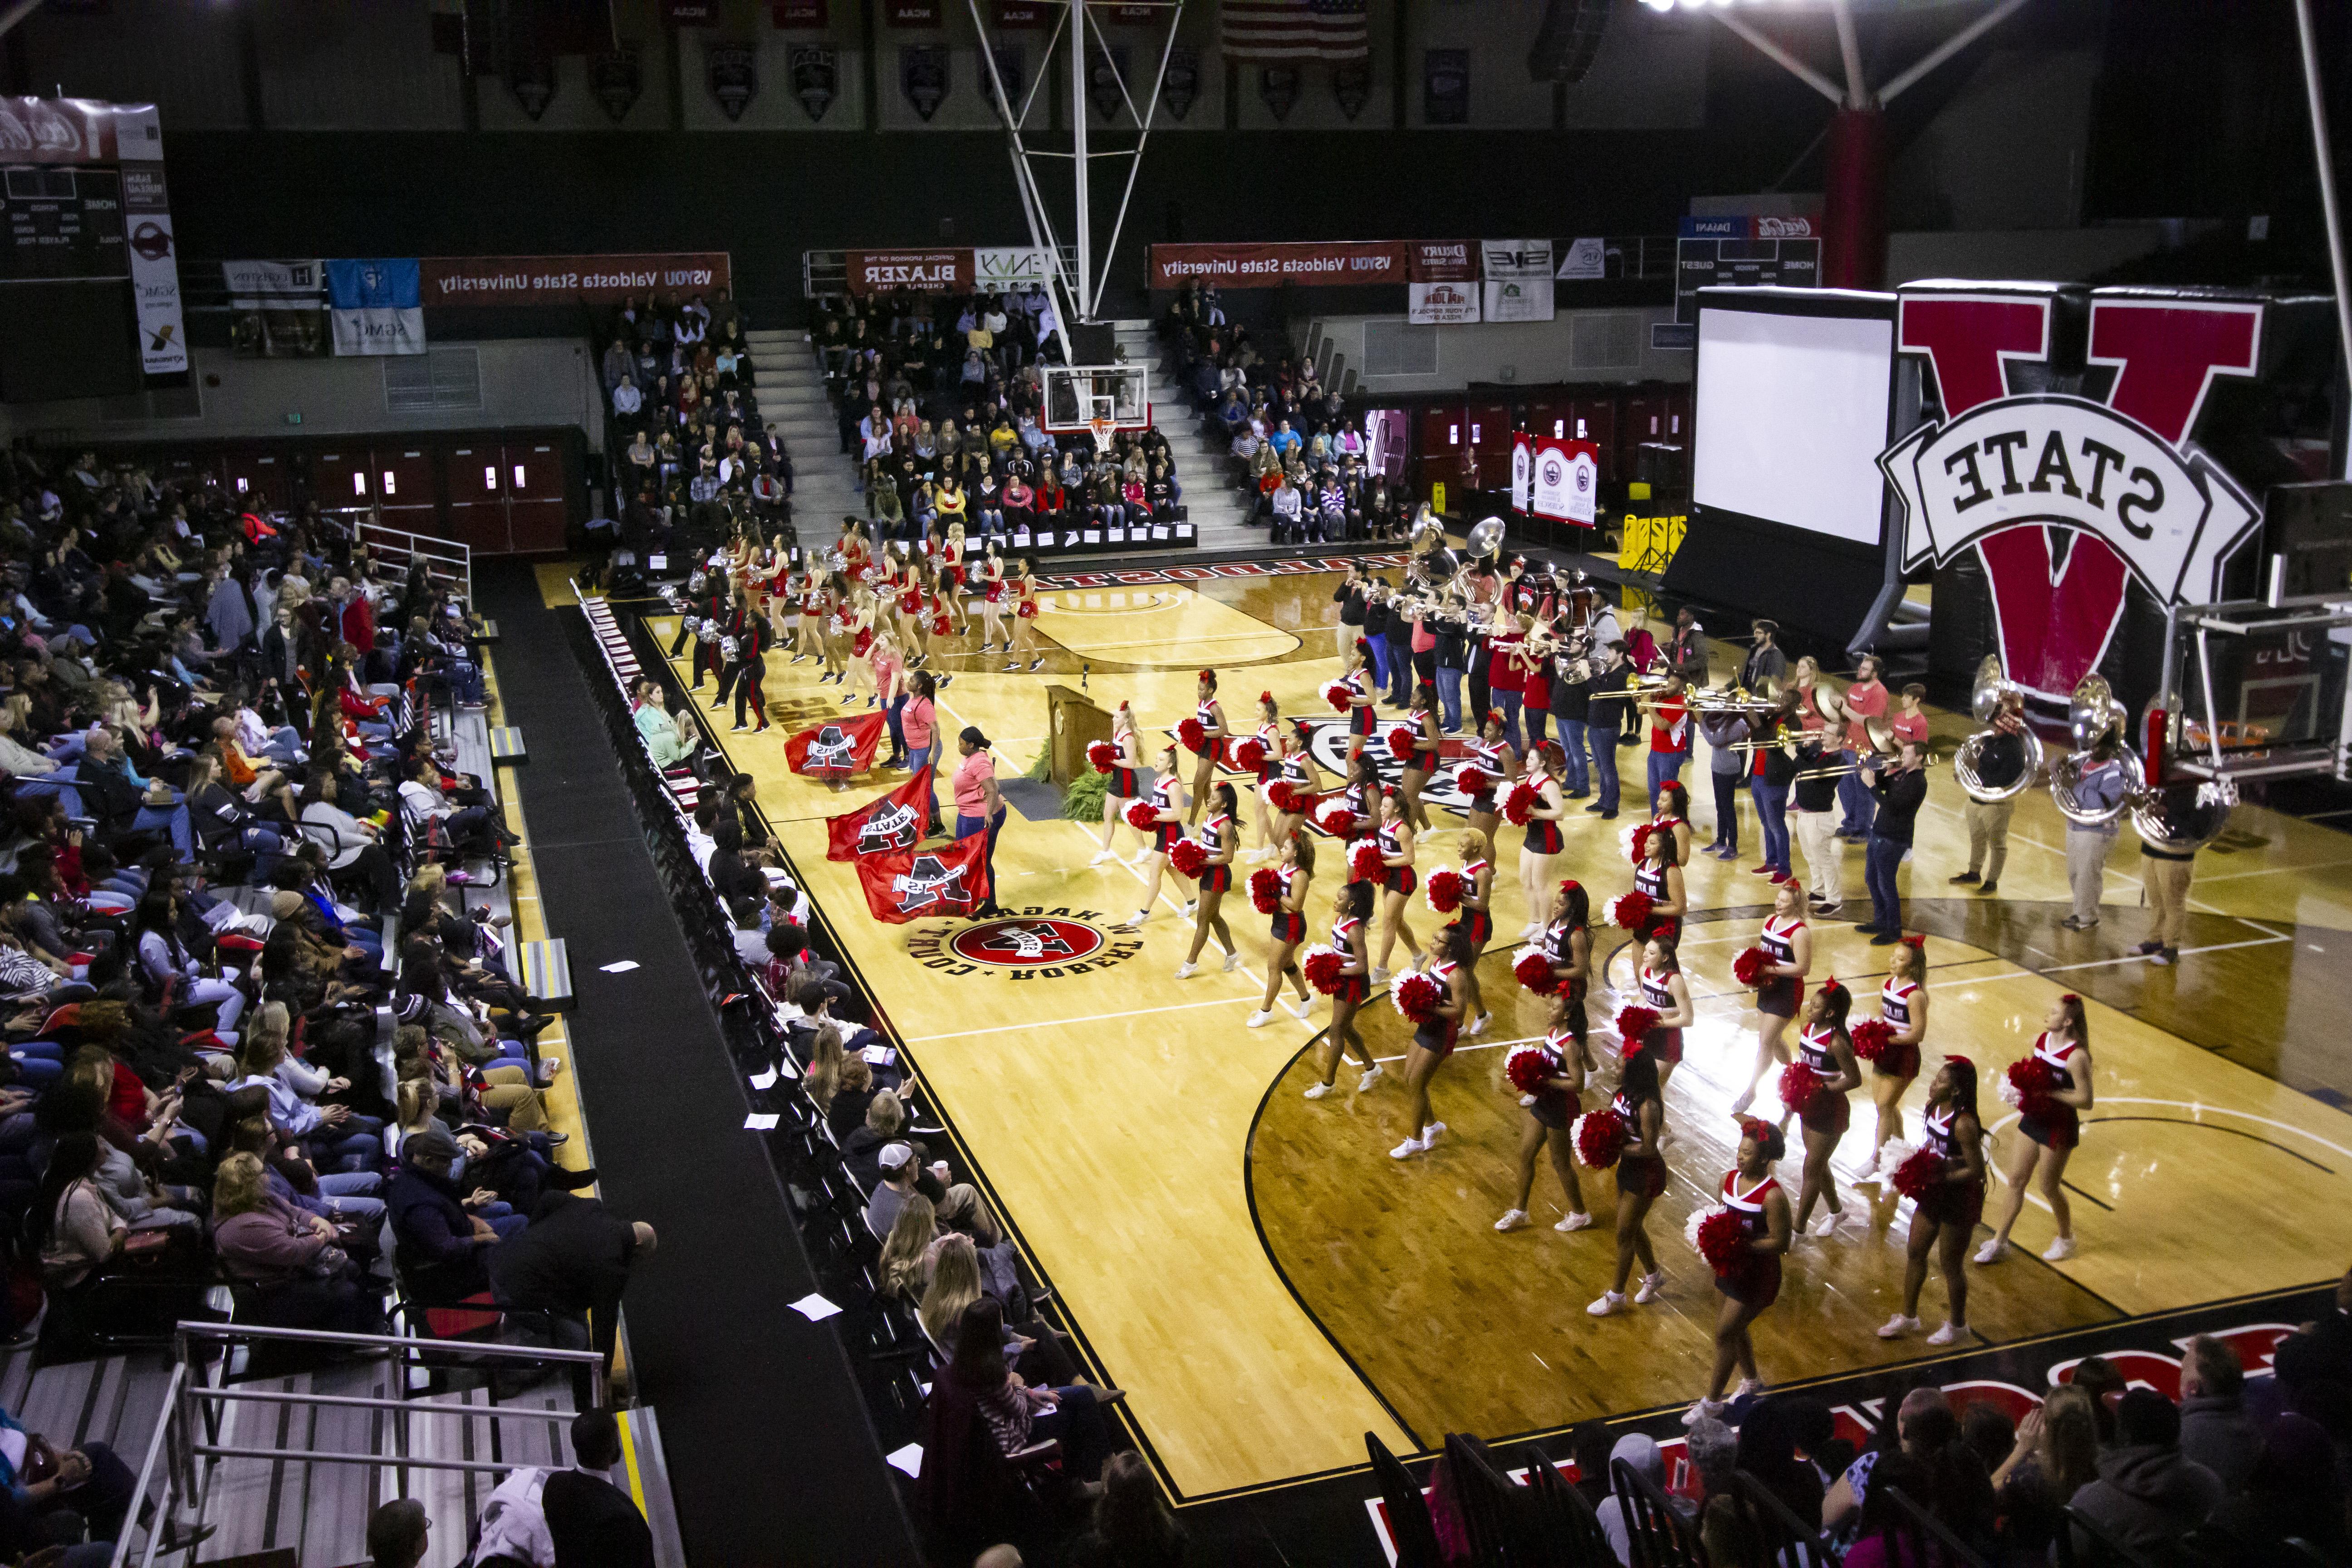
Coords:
61,222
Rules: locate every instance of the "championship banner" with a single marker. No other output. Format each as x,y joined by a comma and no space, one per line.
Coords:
923,271
1523,463
277,309
1518,280
836,749
1565,482
1333,262
925,884
377,306
568,279
1440,282
884,825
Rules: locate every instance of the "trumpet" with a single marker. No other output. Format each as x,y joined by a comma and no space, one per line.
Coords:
1872,762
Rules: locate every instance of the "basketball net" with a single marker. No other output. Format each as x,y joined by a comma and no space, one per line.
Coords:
1102,429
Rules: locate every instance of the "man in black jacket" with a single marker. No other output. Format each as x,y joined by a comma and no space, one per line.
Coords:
591,1522
575,1259
1900,791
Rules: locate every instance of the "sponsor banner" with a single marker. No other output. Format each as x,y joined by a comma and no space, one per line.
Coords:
278,309
568,279
377,308
1518,274
1796,226
1010,267
1583,259
154,257
884,825
1441,304
1565,480
926,884
77,130
1335,262
922,271
1523,462
798,16
1442,261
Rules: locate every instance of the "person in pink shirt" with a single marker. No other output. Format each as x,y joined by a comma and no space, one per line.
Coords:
1864,699
979,807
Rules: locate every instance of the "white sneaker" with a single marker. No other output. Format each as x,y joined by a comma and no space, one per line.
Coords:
1574,1222
1992,1251
1191,905
1101,855
1609,1301
1479,1027
1317,1090
1531,930
2059,1250
1825,1226
1897,1326
1705,1410
1652,1287
1259,1019
1372,1075
1232,962
1186,971
1299,1009
1429,1134
1869,1166
1513,1220
1406,1149
1946,1334
1379,977
1748,1385
1139,917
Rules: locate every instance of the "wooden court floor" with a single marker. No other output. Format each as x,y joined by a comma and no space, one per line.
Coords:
1269,1286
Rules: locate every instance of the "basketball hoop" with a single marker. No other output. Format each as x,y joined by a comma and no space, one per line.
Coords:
1102,429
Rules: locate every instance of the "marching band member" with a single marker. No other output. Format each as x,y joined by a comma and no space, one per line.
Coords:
1220,835
2050,1133
2004,757
1903,1008
1605,708
1350,936
1551,1110
1946,1216
1168,805
1211,716
1124,785
1394,836
2102,785
1432,1042
1750,1191
1825,1046
1288,930
1545,840
1897,791
1864,699
1640,1099
1812,802
1771,772
1788,942
1669,740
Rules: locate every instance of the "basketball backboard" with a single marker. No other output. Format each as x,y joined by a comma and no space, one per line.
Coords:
2257,689
1080,397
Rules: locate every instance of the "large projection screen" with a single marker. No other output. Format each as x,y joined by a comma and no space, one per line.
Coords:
1790,415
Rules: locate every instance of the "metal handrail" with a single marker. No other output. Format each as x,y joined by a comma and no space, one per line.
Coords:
455,556
210,1330
147,1469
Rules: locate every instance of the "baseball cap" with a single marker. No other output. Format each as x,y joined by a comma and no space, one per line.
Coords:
896,1154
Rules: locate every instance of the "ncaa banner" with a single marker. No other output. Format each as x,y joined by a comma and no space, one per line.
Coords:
925,884
1518,275
377,307
1566,482
884,825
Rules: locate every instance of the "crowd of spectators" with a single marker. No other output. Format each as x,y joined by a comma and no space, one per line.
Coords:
1294,446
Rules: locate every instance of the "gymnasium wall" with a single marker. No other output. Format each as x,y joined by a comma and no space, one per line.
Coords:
1574,347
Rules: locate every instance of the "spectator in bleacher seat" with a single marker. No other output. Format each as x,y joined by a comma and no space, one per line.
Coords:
591,1522
1131,1527
399,1534
298,1276
2148,1493
573,1259
72,1515
441,1244
2215,1430
980,1414
1639,1452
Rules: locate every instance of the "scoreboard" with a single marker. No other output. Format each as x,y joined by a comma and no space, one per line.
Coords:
1739,253
61,222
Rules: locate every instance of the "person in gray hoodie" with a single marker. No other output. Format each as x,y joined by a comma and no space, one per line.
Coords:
1641,1454
2148,1492
2215,1431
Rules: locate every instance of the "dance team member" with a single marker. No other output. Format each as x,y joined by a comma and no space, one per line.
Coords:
1272,748
1432,1042
1289,930
1025,611
1475,921
1495,762
1825,1046
1351,937
1551,1111
1544,841
1787,943
1943,1217
1665,993
1211,716
1167,802
1125,783
1427,745
1220,835
1394,836
1641,1179
1903,1008
2051,1132
1750,1191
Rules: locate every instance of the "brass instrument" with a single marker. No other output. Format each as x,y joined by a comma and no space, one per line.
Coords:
2097,721
1736,700
1484,538
1983,766
1842,769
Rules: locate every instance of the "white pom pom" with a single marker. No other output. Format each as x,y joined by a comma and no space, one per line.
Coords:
1690,1227
2009,1095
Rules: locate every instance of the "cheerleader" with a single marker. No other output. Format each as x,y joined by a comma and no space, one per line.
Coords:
1168,805
952,578
817,609
707,654
1946,1215
1394,836
1432,1041
1298,773
1271,749
1824,1046
1476,921
1220,835
777,598
856,553
2051,1133
937,603
1025,611
1351,937
1660,876
1551,1110
992,600
911,584
1640,1177
1544,837
866,626
1289,929
1361,717
1674,816
1495,762
1753,1283
1787,943
1665,993
840,617
1902,1006
1362,795
1427,745
1567,941
1124,786
1211,716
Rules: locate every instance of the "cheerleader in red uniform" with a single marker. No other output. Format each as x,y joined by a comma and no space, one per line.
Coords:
1124,785
1394,836
1665,993
952,578
1660,876
1427,744
1167,800
1496,765
1289,929
1674,816
1640,1099
1211,716
1475,921
2050,1134
1788,943
839,617
1220,835
857,554
992,600
1271,748
817,609
1025,616
1298,773
914,588
865,621
1551,1110
1351,936
1361,717
1567,941
1753,1283
1432,1042
1903,1005
1824,1046
1946,1216
1544,839
938,604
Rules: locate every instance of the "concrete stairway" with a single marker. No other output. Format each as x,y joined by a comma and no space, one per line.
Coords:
1218,511
791,394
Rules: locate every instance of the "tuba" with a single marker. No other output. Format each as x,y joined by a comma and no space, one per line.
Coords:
1993,764
2095,720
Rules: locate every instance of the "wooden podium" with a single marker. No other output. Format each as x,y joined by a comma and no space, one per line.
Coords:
1073,724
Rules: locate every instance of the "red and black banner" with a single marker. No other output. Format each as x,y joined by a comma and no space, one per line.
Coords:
925,884
882,825
836,749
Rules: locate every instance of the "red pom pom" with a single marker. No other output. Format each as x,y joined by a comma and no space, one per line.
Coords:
1401,745
1334,817
1416,995
1142,816
1719,1237
1321,965
1750,966
1531,1067
1265,890
1364,864
1472,780
1630,911
1194,737
1521,801
1533,970
1871,1038
1634,1023
1188,856
1339,695
1103,755
1799,1085
1283,796
2028,1084
1249,751
1444,889
1917,1176
1639,845
1600,1136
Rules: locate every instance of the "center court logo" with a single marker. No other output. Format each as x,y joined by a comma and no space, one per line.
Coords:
1033,944
1327,743
1040,941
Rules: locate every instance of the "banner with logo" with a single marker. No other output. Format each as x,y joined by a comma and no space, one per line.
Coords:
1523,463
1009,267
947,272
377,306
1339,263
836,749
1442,281
884,825
154,258
277,309
568,279
926,884
1564,481
1583,259
1518,274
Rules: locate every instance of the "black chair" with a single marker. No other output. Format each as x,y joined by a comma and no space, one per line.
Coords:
1657,1535
1497,1515
1771,1535
1566,1530
1410,1529
2083,1542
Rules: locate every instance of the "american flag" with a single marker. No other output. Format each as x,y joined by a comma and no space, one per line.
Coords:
1297,29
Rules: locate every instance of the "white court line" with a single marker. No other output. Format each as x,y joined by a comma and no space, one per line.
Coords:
1481,1046
2107,963
2198,1110
2274,871
1095,1018
1189,642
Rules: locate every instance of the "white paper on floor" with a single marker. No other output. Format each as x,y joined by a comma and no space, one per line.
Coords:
761,1121
623,967
814,1308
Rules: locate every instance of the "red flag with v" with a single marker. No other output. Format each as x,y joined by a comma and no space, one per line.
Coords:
884,825
922,884
836,749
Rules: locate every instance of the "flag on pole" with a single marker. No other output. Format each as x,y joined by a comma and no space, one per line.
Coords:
1297,29
836,749
925,884
884,825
